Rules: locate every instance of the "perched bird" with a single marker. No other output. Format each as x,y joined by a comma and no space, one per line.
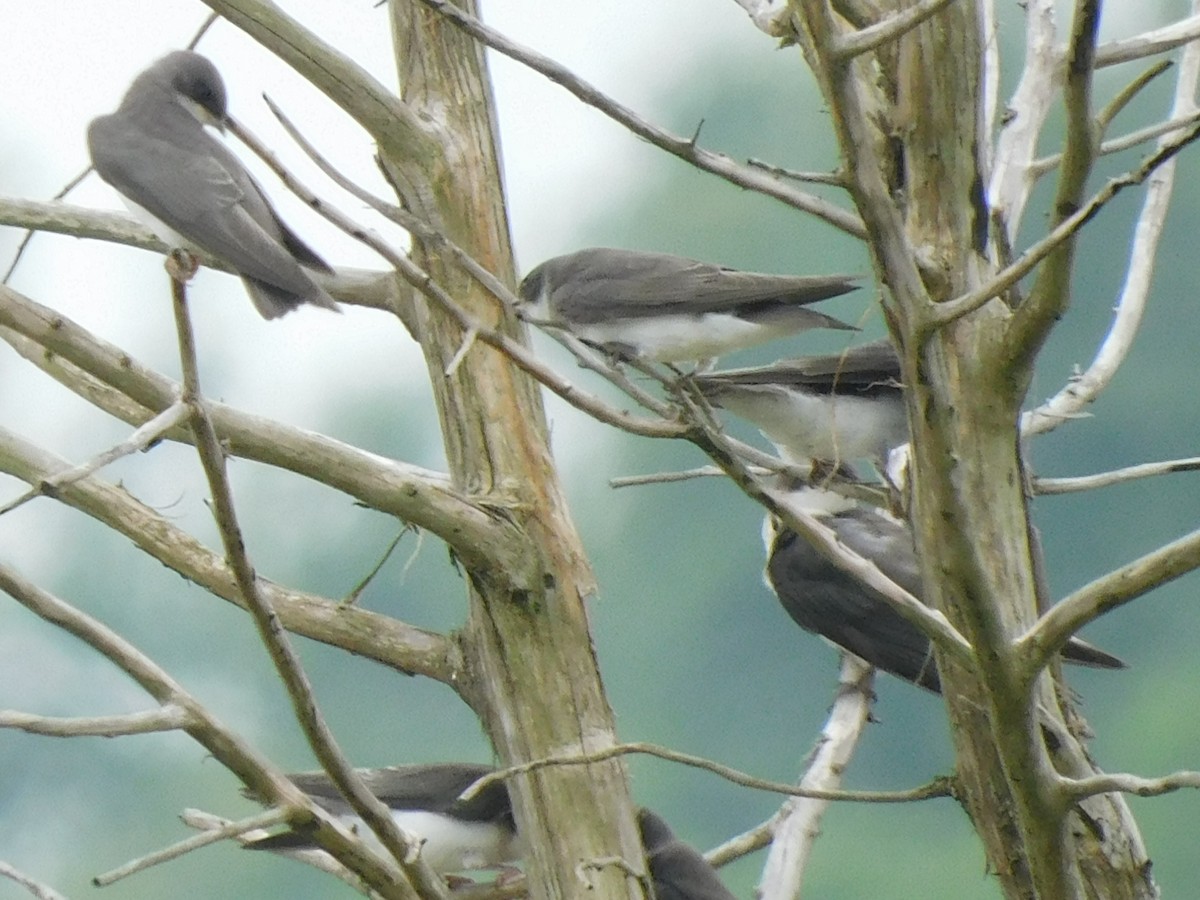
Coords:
676,869
670,309
825,600
459,834
841,406
480,833
192,191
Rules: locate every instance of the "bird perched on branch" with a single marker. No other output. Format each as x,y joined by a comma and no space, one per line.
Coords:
480,832
459,835
839,406
662,308
828,601
192,192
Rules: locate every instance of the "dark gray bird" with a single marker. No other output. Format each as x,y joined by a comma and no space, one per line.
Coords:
480,833
459,834
192,191
823,599
840,406
678,871
671,309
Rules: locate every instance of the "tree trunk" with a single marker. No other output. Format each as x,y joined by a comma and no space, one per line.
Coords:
533,675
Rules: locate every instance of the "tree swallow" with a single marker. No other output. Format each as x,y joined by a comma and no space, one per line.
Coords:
678,871
192,191
842,406
458,834
480,833
823,599
664,308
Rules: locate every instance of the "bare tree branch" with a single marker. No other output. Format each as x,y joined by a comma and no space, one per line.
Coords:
769,16
1012,176
685,148
800,822
1062,233
233,753
1107,592
413,494
357,287
377,637
889,29
180,848
217,828
936,788
516,351
1080,788
1116,476
168,717
320,737
35,887
1160,40
1124,142
143,437
1080,392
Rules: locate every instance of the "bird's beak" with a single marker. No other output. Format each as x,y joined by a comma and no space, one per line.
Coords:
203,115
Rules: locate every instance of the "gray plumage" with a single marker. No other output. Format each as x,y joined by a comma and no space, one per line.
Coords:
155,151
825,600
671,309
677,870
452,827
840,406
459,834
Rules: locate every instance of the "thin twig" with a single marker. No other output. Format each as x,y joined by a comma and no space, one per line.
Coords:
1055,627
287,664
743,844
1125,142
1160,40
623,481
1048,486
318,859
30,232
356,591
36,888
1125,96
180,848
208,22
255,771
168,717
936,788
945,313
1081,391
800,823
834,179
891,28
685,148
1081,788
142,438
421,280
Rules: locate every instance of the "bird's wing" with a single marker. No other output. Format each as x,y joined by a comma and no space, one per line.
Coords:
868,370
202,192
823,599
433,788
605,284
678,871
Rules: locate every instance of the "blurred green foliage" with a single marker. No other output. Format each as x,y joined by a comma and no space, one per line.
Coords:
695,651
